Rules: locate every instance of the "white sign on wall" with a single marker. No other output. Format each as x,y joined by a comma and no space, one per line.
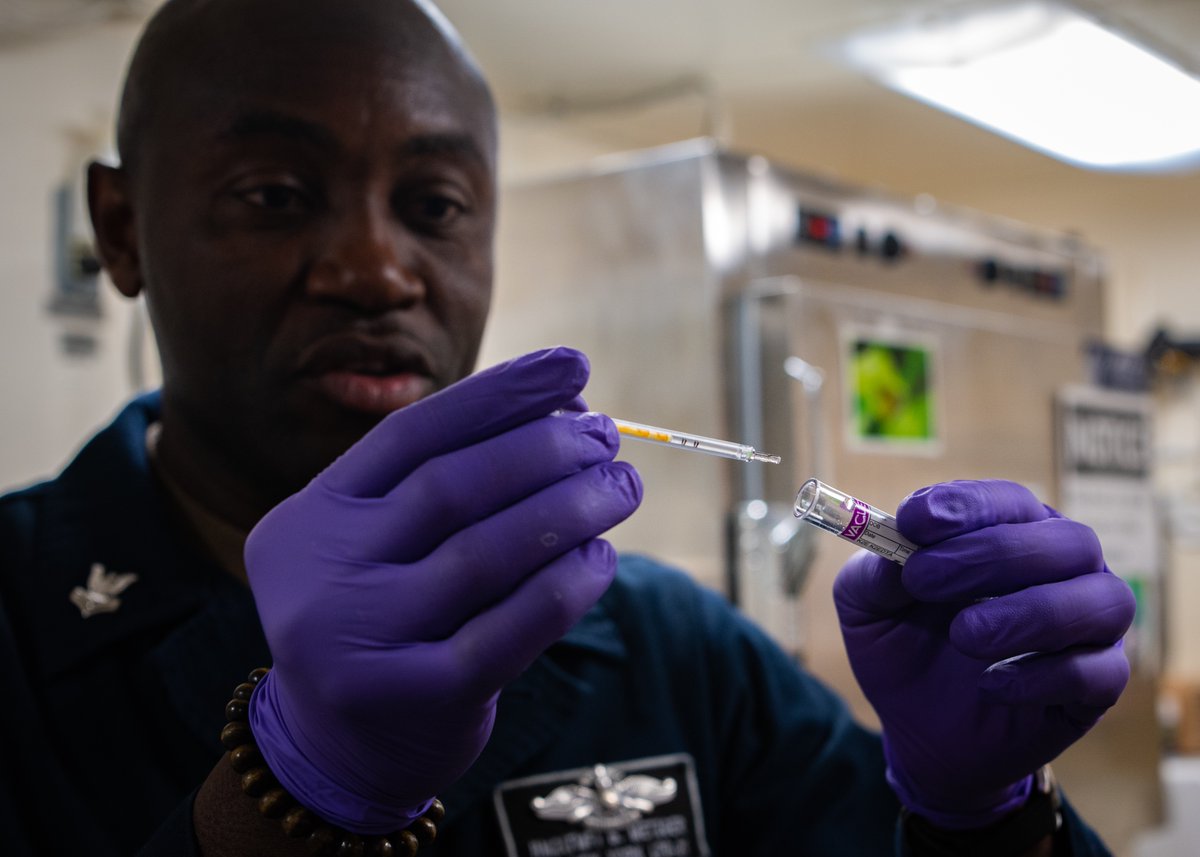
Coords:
1105,453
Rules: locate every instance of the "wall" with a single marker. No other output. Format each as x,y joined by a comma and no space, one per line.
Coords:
57,100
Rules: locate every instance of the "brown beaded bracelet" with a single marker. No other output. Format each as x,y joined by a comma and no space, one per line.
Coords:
324,839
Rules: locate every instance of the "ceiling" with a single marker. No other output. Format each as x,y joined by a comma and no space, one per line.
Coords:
581,54
560,54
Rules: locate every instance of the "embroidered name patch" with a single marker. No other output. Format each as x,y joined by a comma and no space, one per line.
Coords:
640,808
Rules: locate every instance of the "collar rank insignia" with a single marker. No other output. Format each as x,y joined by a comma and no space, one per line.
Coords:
605,799
101,593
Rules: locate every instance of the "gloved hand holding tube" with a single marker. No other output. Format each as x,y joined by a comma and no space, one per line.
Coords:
936,645
422,571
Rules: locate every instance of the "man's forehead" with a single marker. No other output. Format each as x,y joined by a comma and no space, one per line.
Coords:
441,140
302,58
343,58
189,20
340,98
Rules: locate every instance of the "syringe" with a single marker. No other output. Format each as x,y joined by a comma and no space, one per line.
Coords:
852,520
693,442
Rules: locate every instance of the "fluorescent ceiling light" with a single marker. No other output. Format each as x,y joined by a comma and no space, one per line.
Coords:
1046,76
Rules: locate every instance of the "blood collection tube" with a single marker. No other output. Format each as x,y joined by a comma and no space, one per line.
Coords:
852,519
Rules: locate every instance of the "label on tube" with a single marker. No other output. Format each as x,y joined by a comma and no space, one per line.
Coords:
853,520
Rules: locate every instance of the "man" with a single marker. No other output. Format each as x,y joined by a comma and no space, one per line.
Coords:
306,199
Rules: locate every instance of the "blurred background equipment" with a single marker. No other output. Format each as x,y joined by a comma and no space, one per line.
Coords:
933,341
708,287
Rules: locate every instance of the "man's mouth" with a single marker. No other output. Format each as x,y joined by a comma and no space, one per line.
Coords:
377,395
369,376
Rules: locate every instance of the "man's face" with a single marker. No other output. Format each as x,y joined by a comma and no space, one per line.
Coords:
314,224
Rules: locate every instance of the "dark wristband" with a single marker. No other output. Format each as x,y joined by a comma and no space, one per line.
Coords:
1011,836
296,821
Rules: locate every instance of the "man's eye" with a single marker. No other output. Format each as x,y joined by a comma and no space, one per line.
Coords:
433,210
275,197
440,209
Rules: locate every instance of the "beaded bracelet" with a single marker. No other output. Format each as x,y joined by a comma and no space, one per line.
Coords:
324,839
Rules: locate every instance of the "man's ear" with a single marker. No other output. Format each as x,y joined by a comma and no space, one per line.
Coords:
111,210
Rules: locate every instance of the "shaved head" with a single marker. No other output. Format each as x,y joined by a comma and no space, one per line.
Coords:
188,41
306,200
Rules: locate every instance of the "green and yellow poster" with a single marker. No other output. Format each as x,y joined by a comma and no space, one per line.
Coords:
891,392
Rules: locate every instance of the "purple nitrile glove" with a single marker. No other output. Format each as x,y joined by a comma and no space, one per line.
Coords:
422,571
1000,575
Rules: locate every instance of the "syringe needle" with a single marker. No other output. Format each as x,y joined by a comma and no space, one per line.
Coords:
693,442
765,458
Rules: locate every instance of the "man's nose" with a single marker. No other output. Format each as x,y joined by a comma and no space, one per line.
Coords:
369,260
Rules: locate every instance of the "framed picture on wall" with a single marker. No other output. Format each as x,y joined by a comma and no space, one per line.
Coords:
891,384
